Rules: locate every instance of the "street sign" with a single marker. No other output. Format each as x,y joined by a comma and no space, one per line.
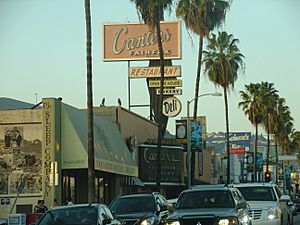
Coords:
146,72
167,83
170,91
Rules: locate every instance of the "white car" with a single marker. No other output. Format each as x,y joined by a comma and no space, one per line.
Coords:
267,204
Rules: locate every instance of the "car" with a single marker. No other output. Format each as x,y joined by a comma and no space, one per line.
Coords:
267,203
3,221
296,200
210,204
79,214
140,208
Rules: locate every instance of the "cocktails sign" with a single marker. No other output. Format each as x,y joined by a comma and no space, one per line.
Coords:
136,41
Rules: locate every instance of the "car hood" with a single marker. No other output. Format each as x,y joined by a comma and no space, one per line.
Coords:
215,212
261,204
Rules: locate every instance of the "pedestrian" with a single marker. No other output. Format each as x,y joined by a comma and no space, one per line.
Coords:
40,207
69,201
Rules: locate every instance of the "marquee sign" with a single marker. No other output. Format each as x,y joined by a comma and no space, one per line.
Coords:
136,41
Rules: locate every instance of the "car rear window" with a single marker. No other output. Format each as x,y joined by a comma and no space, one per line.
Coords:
258,193
133,204
70,216
205,199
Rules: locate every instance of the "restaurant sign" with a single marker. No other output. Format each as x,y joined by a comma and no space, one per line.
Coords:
136,41
171,158
146,72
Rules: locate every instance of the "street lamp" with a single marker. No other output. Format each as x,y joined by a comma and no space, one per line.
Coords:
188,139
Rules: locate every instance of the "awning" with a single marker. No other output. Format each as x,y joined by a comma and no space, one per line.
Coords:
111,152
133,181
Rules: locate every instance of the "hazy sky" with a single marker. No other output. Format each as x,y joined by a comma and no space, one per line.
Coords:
42,50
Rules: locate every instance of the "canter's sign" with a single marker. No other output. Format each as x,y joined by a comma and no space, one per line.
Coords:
136,41
170,91
146,72
167,83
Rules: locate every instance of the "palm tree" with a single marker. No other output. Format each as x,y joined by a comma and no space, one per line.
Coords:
251,104
269,101
152,12
201,17
222,61
91,166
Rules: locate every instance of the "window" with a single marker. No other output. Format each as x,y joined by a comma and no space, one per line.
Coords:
258,193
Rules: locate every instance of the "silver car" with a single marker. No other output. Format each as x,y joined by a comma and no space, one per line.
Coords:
267,204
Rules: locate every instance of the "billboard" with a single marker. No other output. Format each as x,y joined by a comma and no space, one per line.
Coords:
136,41
240,142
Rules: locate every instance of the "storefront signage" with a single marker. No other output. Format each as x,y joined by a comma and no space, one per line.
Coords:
167,83
145,72
171,107
170,91
136,41
171,163
48,146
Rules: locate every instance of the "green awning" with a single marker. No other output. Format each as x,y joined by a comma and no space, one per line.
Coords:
111,152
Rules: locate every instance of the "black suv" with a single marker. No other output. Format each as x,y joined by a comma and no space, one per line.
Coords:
210,205
140,208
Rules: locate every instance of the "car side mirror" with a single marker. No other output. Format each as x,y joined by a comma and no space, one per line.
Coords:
241,205
285,198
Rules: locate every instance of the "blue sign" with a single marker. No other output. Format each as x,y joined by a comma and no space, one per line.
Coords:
196,135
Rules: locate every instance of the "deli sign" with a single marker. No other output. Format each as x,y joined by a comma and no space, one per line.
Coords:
171,106
136,41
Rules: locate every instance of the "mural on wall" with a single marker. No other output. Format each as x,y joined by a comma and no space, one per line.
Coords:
20,159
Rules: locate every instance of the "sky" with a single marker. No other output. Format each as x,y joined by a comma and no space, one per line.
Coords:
42,54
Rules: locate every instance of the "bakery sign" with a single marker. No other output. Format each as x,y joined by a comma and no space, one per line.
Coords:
136,41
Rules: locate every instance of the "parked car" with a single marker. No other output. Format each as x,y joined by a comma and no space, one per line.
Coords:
297,203
3,221
210,204
140,208
79,214
267,204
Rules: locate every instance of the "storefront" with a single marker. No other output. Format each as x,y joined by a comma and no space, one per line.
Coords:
43,155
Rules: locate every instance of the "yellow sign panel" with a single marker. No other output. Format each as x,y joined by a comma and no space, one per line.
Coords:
167,83
144,72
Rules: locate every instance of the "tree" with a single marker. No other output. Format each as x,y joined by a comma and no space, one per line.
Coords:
251,104
201,17
151,11
91,156
222,61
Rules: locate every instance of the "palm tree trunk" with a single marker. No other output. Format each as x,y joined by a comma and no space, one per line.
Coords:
160,127
197,84
91,166
276,155
227,135
255,151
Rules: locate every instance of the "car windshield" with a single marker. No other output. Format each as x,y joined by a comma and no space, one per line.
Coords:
205,199
257,193
70,216
133,204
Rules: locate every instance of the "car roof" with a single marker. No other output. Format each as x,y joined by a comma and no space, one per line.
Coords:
253,184
78,206
210,186
138,194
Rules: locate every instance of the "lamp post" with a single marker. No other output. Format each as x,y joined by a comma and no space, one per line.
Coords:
188,138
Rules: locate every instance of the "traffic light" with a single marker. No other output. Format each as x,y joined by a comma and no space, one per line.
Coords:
267,176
